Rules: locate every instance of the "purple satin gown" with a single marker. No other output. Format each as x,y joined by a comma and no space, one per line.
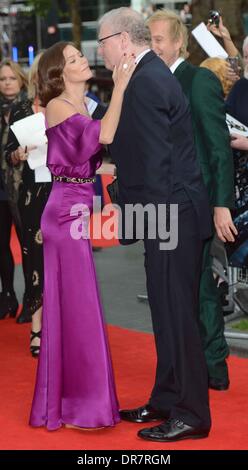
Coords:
74,383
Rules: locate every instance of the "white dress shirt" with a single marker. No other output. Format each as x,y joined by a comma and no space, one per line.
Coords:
176,64
141,55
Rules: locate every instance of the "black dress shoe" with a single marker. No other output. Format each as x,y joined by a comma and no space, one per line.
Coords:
218,384
172,430
143,414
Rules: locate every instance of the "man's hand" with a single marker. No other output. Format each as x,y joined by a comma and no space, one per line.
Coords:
239,142
224,225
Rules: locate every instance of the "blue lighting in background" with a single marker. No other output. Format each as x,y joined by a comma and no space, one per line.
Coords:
15,54
30,55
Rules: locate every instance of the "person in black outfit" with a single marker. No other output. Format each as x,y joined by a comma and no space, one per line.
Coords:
237,253
32,200
13,83
237,100
154,153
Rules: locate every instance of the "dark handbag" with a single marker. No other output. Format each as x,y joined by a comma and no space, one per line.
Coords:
113,191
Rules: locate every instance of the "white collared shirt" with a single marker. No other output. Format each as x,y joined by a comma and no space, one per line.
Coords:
141,55
176,64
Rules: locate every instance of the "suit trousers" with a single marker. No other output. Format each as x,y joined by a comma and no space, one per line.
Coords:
211,320
181,383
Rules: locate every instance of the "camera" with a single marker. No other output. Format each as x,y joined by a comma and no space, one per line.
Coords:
234,62
214,17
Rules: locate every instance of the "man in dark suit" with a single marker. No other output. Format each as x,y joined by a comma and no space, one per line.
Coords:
205,95
156,164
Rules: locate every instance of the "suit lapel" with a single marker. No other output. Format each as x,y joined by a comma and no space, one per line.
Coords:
180,69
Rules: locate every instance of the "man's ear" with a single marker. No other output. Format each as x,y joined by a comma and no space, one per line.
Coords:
179,43
125,41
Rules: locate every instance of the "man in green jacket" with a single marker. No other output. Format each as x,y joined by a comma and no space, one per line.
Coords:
205,95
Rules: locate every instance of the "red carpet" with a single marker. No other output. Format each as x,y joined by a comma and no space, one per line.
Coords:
15,247
134,364
133,357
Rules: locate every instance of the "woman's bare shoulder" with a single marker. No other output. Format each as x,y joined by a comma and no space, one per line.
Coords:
58,111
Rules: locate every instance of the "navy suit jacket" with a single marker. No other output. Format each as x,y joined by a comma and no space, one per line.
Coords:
153,147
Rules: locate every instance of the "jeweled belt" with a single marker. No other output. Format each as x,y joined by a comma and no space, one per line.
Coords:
67,179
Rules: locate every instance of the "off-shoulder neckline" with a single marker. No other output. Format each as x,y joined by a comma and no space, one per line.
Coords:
65,120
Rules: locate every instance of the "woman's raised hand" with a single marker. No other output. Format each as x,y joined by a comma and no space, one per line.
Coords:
221,31
123,72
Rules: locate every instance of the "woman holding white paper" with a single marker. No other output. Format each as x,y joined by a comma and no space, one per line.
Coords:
32,200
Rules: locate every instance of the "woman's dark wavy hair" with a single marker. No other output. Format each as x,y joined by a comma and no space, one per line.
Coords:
50,72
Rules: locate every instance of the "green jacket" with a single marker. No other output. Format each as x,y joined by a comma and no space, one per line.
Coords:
212,140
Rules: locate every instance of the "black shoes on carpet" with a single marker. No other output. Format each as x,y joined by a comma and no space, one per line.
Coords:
9,307
8,304
143,414
172,430
218,384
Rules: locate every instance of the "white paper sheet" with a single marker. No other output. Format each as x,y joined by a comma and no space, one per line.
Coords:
37,157
208,42
235,126
30,131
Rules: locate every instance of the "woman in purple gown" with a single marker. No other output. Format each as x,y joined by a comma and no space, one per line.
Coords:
75,383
